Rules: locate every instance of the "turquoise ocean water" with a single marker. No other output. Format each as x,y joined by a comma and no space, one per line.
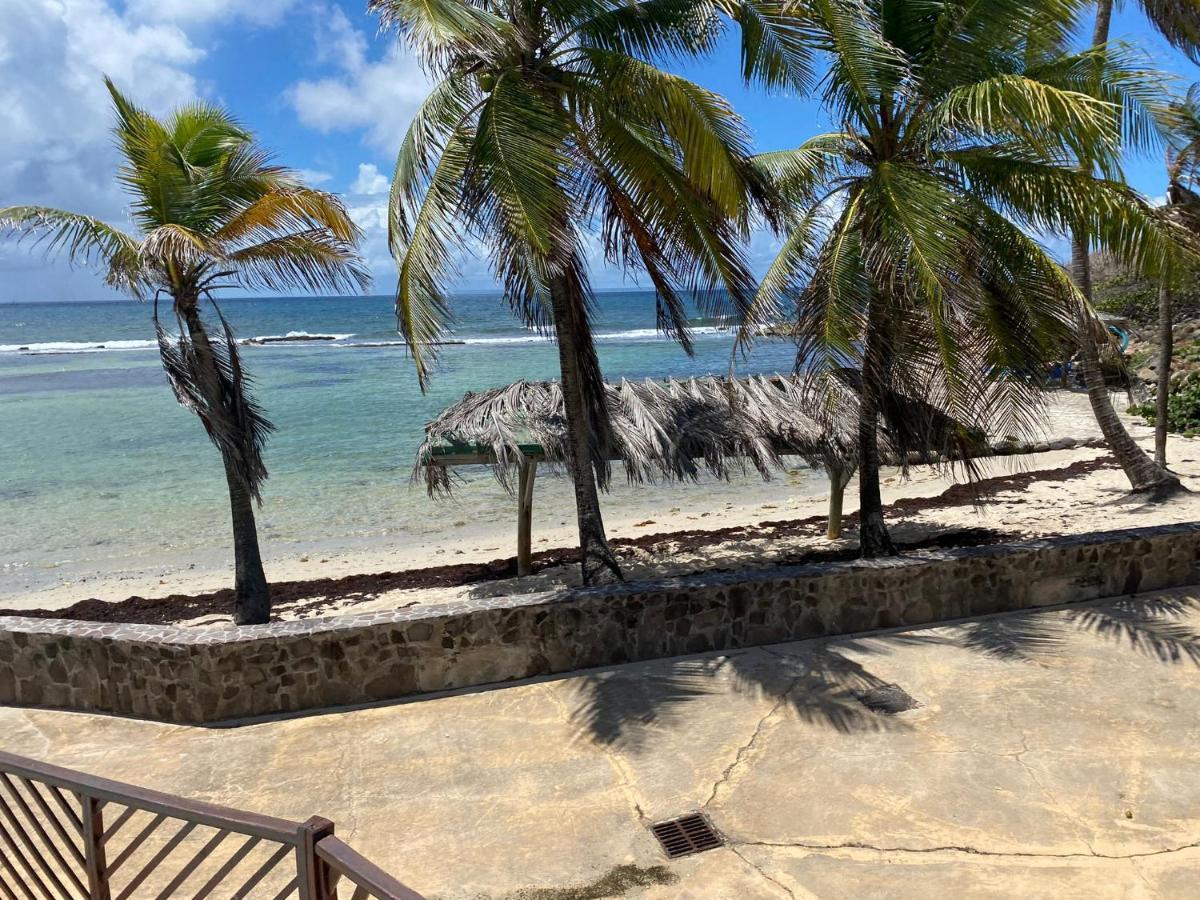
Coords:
99,467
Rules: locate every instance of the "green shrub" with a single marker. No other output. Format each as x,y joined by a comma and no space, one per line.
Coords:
1136,299
1183,405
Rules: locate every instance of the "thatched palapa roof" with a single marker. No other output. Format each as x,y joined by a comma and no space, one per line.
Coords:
674,429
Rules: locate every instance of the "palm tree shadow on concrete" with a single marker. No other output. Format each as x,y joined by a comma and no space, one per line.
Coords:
625,707
826,685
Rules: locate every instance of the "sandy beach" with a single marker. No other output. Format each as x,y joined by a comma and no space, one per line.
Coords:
1067,491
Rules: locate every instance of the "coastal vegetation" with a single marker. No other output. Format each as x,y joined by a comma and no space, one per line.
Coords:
1182,208
1179,22
546,118
212,212
911,267
908,251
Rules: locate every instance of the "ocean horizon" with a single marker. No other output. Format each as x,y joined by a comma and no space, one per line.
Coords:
103,470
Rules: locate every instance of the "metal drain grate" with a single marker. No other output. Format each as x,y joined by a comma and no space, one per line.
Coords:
888,699
686,835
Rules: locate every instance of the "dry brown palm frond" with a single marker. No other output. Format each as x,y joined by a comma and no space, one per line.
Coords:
672,430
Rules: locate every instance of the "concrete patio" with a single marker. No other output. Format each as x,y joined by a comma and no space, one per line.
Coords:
1052,754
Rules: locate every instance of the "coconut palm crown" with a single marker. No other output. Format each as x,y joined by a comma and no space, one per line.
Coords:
909,245
211,211
548,119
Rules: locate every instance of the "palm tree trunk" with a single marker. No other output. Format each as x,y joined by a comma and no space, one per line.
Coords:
1104,11
1144,476
595,555
1166,349
252,598
873,537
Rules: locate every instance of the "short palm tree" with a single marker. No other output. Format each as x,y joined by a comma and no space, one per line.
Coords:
211,212
908,247
547,119
1183,209
1179,22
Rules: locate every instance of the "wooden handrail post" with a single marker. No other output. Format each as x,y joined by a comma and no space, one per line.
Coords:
92,816
316,880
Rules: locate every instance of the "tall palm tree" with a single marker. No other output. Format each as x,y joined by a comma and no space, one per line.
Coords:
908,245
1179,22
1182,208
549,118
211,211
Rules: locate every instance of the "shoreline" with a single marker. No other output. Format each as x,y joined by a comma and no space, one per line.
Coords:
720,525
349,591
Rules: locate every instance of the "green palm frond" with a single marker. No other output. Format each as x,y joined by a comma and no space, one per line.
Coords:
1178,21
84,239
426,252
286,209
1049,119
777,46
314,260
440,29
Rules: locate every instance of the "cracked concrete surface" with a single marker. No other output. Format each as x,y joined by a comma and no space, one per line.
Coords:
1053,755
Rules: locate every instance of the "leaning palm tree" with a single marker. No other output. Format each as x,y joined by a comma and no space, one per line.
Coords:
212,212
1179,22
548,118
908,246
1182,208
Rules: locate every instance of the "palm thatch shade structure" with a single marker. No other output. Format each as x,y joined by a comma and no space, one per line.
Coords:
673,430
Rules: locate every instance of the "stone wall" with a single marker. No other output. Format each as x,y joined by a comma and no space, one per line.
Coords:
198,675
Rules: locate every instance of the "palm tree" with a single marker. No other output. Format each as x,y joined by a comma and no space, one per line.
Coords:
1182,208
549,118
211,212
1179,22
909,246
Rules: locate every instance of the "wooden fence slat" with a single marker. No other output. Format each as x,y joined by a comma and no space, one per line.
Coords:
262,872
30,871
51,816
117,823
288,889
5,890
52,830
230,865
49,843
72,815
186,871
17,880
163,853
133,845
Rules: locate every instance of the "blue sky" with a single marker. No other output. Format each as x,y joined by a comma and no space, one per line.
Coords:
314,78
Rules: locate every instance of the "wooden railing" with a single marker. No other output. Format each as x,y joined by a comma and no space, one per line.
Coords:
65,835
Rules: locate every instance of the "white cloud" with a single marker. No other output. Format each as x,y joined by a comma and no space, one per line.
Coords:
314,177
55,114
378,96
257,12
370,181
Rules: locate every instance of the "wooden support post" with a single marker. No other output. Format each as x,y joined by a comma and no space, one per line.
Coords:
315,879
839,476
93,849
528,472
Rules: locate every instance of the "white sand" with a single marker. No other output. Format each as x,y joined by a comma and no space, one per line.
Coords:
1096,501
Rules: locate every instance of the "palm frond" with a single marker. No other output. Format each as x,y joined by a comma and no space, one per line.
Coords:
314,260
207,378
